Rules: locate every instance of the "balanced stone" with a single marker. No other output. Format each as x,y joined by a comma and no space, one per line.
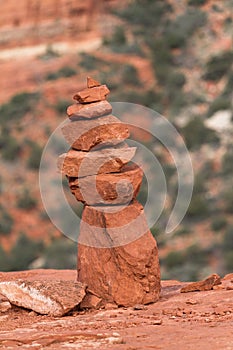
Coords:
124,269
107,160
85,134
92,110
114,188
92,82
94,94
117,254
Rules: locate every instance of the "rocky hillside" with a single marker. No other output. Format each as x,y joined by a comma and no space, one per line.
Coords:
174,57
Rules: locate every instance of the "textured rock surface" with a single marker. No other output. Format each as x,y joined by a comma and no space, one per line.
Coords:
115,188
206,284
4,304
54,298
190,320
108,160
90,301
85,134
93,94
92,110
128,274
92,82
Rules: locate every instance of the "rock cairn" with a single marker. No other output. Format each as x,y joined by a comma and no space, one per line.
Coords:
117,254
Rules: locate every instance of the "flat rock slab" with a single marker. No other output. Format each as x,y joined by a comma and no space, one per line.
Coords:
124,274
205,323
90,110
84,134
206,284
54,298
108,160
94,94
115,188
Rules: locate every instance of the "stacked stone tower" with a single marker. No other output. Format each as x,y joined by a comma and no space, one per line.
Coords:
117,254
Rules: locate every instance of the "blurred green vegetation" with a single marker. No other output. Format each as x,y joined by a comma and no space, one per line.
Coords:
25,200
18,106
64,72
6,221
61,253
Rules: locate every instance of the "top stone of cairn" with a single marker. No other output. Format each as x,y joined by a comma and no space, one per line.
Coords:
94,92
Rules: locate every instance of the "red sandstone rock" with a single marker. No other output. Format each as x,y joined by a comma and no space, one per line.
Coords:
93,94
90,301
125,274
85,134
92,82
108,160
53,298
115,188
206,284
88,111
4,304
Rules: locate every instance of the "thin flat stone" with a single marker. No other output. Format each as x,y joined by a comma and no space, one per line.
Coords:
89,111
84,134
93,94
107,160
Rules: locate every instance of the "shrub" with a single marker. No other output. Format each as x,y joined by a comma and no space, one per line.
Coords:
10,148
198,207
18,106
61,106
26,201
49,54
176,80
173,259
195,253
64,72
147,14
196,134
175,39
221,103
228,239
227,162
162,60
218,223
182,231
143,192
61,254
118,38
227,92
1,185
228,261
35,156
90,62
218,66
185,25
197,2
6,221
24,252
4,260
130,75
228,200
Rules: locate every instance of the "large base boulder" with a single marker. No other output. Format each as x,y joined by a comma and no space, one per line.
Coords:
125,274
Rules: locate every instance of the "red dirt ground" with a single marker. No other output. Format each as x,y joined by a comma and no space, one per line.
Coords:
197,320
